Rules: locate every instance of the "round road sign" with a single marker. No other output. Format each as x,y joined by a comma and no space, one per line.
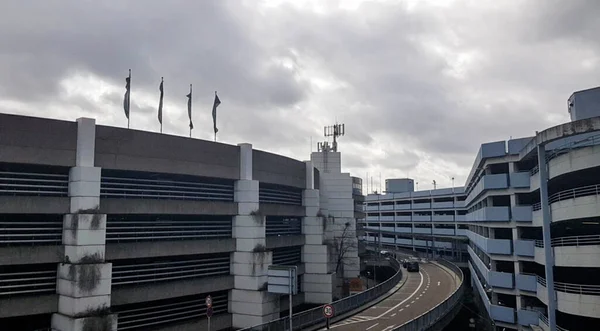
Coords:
328,311
209,312
208,301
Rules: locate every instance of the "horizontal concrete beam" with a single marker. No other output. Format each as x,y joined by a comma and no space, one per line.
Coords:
163,290
118,251
34,205
31,254
271,209
217,322
29,305
284,241
178,207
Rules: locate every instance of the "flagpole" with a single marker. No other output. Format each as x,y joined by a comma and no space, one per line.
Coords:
161,100
129,99
215,130
190,112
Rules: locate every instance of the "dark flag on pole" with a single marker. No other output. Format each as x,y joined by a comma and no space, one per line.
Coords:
189,96
214,112
127,96
160,103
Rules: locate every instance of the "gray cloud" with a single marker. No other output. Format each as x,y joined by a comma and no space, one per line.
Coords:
427,84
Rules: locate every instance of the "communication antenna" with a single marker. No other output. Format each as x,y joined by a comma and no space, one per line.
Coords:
334,131
434,184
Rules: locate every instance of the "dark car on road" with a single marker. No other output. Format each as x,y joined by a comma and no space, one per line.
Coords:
412,266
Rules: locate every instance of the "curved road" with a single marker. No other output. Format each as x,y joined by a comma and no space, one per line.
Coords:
421,292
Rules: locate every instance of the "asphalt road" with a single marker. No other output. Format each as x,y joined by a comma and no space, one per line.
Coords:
421,292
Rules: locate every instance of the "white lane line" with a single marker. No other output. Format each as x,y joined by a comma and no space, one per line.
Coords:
394,314
372,326
403,301
401,310
407,306
412,302
439,283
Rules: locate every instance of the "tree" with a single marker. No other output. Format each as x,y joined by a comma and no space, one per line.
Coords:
340,247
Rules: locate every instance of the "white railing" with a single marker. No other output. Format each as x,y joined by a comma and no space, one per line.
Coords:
570,194
136,188
37,184
576,241
566,148
572,288
27,282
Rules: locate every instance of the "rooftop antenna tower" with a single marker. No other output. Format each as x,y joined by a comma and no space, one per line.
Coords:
334,131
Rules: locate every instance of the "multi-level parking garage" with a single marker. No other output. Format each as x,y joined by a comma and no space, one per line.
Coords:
132,230
532,211
534,231
432,221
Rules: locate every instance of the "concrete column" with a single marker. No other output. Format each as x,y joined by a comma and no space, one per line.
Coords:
249,302
318,281
84,278
546,221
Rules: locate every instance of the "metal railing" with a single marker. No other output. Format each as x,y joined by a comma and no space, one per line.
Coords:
138,188
32,230
287,255
572,288
314,316
32,183
163,312
435,314
181,228
544,320
576,241
539,243
135,273
566,148
279,195
570,194
24,282
283,226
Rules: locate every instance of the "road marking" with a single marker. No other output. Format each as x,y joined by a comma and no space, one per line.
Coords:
372,326
407,306
403,301
439,283
394,314
417,298
389,328
401,310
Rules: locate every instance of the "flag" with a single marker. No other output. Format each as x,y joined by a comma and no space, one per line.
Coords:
126,99
214,112
160,102
189,96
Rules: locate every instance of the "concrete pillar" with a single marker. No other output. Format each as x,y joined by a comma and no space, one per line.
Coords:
84,278
318,281
546,221
249,302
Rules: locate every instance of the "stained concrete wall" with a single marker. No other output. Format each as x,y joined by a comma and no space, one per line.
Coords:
37,140
276,169
125,149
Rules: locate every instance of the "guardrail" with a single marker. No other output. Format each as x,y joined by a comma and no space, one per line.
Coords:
435,314
572,241
572,288
544,320
570,194
566,148
314,316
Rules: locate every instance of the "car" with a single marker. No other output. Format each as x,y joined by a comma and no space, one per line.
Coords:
413,266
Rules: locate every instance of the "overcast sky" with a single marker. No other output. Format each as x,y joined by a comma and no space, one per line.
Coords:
419,84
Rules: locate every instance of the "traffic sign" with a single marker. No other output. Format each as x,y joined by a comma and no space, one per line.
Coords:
209,312
328,311
208,301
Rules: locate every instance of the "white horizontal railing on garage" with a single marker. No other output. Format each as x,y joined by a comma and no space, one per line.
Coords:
32,183
27,282
155,314
279,195
287,255
573,193
135,188
136,273
572,288
576,241
566,148
156,230
21,231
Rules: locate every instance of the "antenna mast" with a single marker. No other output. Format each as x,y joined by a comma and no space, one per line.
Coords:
334,131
